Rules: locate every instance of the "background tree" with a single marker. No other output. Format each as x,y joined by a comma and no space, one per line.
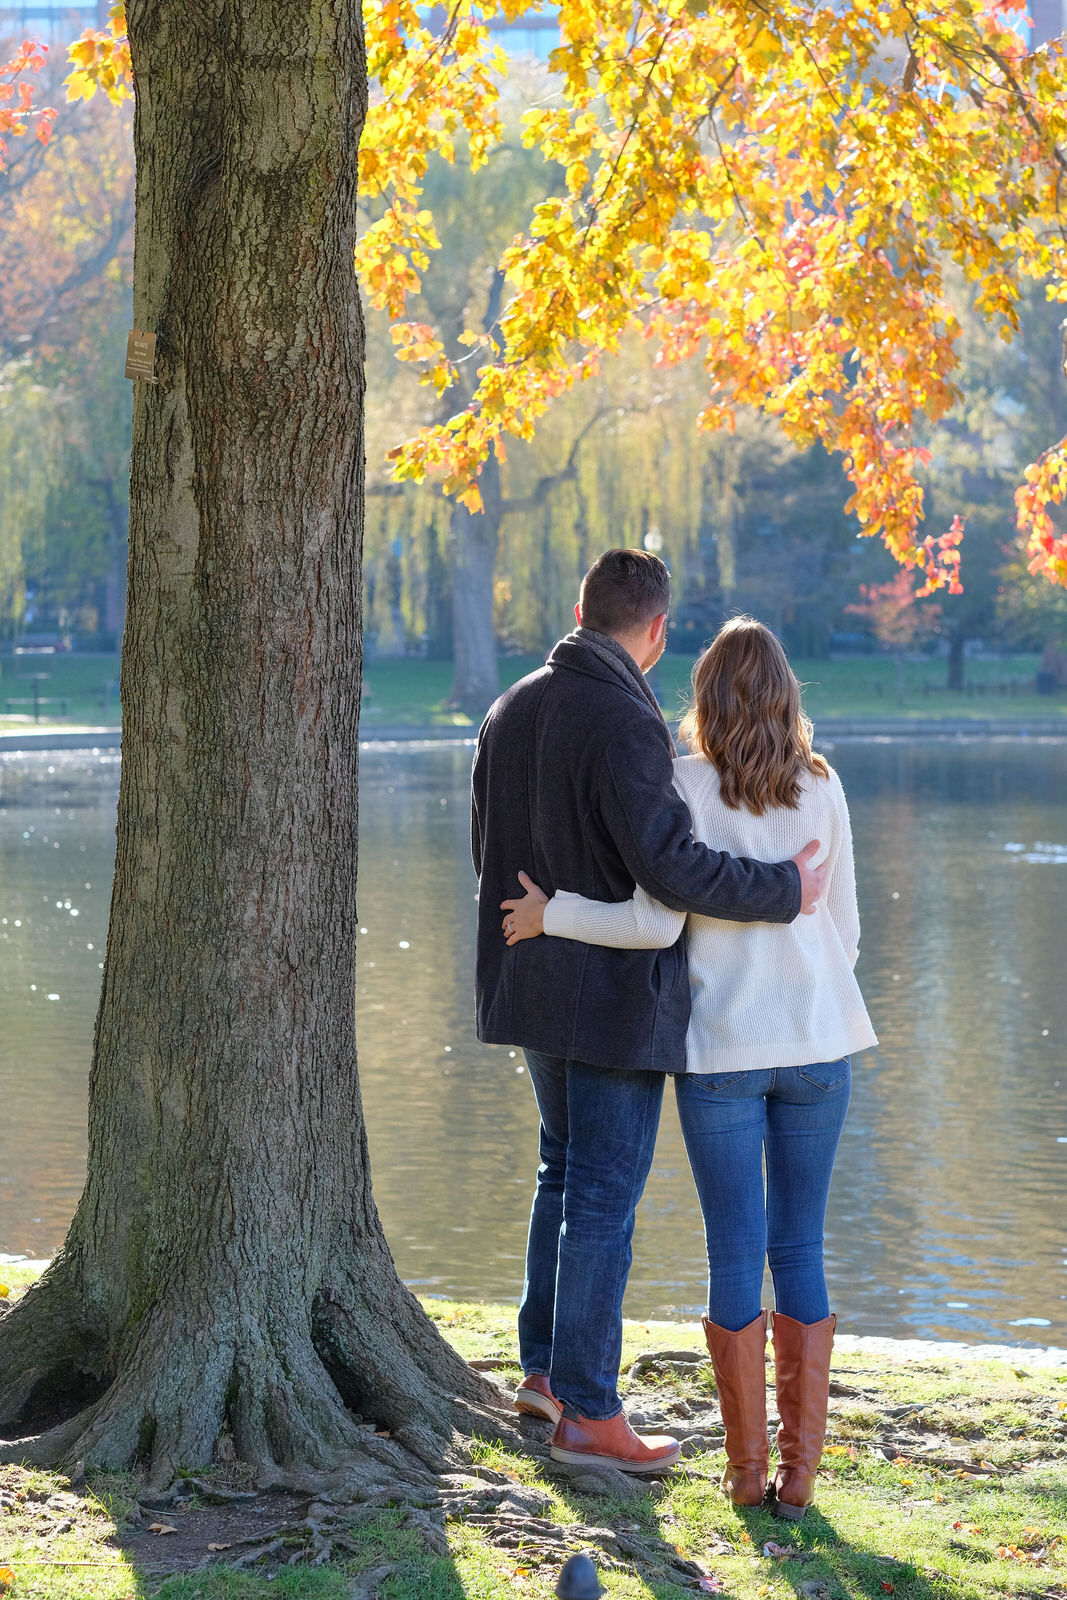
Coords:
460,290
1012,397
65,290
898,619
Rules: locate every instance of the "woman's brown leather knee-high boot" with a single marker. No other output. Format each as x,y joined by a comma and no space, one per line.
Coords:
802,1381
740,1364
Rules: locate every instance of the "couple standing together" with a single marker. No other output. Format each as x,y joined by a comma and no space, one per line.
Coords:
699,920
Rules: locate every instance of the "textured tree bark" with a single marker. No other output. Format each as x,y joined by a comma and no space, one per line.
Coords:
115,577
475,536
226,1270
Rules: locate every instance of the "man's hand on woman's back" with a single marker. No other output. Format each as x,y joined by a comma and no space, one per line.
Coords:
812,878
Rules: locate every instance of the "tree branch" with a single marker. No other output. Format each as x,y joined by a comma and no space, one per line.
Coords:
552,480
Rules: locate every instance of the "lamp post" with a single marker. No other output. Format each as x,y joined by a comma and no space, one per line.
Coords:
653,543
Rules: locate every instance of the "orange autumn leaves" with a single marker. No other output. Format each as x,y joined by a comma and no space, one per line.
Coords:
771,189
18,114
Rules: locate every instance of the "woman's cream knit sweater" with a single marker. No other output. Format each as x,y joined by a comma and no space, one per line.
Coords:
763,995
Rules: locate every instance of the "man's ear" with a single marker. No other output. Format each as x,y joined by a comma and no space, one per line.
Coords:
578,613
659,627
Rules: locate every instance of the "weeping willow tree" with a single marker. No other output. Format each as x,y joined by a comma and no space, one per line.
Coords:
27,453
613,462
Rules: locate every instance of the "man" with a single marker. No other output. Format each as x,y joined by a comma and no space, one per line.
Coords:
572,782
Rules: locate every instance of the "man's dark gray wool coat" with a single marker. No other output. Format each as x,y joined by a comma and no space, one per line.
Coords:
572,784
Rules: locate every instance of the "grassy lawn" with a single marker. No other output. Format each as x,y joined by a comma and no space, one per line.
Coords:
77,687
942,1481
415,692
868,686
406,692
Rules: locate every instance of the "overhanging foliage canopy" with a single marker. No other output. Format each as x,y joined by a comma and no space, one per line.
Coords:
772,187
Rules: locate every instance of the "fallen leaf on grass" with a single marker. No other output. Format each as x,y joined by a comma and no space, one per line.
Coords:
7,1579
161,1528
1036,1556
220,1546
888,1587
780,1552
711,1585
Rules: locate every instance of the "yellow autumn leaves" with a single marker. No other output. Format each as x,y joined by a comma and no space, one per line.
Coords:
101,60
767,196
772,190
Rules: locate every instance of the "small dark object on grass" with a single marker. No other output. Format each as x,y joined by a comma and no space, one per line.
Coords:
578,1579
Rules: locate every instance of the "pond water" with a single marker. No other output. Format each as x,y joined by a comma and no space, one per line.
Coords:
948,1214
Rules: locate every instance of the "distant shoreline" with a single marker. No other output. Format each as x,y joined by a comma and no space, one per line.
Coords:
829,728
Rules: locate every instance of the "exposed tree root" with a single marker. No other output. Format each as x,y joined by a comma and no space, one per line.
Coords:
511,1516
50,1344
342,1400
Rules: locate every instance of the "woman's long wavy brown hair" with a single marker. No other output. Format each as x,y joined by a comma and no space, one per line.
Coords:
746,718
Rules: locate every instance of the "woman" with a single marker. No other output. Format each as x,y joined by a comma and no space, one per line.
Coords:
776,1015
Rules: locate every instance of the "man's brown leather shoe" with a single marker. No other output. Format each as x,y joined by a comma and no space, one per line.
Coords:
534,1397
581,1442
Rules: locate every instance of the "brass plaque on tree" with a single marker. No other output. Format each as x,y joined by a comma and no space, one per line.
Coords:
141,356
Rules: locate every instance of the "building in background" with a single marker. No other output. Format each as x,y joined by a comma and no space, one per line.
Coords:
534,34
51,20
1049,20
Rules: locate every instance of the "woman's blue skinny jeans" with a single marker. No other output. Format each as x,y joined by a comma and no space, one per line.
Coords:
793,1116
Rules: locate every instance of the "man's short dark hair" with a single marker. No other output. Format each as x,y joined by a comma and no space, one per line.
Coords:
623,590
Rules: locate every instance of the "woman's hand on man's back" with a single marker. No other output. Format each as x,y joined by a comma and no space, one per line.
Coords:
525,917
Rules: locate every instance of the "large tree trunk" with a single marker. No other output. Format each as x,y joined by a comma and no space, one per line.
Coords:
225,1270
117,557
475,536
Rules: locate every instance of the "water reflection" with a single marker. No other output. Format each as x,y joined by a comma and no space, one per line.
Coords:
947,1214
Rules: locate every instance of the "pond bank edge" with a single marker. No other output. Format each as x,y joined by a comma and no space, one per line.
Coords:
878,728
1040,1356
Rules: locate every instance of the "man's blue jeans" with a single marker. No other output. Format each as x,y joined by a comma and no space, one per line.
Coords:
730,1120
598,1133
